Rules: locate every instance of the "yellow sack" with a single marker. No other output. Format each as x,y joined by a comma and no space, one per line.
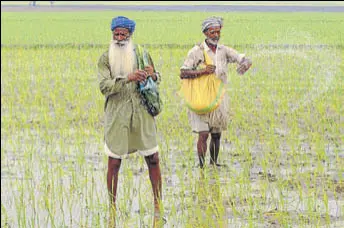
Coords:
203,94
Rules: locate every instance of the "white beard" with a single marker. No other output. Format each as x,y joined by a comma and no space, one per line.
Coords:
213,41
121,58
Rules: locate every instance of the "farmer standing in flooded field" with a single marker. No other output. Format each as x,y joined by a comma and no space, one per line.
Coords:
215,121
128,126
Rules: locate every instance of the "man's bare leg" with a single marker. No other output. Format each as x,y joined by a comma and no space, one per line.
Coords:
214,148
202,147
155,178
112,180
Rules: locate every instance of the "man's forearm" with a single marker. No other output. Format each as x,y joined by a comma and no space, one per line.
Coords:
187,74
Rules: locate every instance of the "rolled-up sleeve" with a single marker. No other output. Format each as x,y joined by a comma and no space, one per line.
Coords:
193,59
107,84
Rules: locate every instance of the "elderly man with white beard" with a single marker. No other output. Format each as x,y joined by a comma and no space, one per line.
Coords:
128,126
216,121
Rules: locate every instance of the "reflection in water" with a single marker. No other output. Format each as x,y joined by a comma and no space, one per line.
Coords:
208,199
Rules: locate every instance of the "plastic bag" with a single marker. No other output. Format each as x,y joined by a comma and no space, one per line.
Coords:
150,96
148,89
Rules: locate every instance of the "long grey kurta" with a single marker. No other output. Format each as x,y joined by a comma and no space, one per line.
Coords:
128,125
216,120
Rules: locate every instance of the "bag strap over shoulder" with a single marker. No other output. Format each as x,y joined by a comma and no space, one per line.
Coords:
207,59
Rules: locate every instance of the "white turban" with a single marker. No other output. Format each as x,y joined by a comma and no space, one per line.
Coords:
212,22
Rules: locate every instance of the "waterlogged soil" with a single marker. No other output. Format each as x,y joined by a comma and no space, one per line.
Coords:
64,184
57,176
270,186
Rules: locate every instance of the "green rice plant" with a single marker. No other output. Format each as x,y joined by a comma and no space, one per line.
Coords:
283,148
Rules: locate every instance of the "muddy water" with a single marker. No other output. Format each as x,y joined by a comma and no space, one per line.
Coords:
50,179
49,184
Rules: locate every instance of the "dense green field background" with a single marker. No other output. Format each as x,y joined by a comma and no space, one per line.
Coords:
173,28
284,146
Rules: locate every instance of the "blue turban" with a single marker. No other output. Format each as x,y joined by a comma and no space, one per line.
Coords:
123,22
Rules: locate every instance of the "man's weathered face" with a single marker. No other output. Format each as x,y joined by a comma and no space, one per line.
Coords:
213,34
121,52
120,34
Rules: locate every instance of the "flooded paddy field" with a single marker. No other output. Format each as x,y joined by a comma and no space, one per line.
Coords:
283,151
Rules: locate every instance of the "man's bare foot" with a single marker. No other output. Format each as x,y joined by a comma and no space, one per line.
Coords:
112,216
217,164
159,220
